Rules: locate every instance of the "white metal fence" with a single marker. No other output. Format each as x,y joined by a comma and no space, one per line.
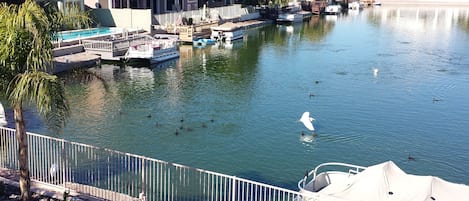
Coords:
115,175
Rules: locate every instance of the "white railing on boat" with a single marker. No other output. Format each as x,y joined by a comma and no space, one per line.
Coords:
114,175
352,169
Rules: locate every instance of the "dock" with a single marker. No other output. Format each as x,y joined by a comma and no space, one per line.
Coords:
73,57
189,33
114,49
250,24
90,52
75,61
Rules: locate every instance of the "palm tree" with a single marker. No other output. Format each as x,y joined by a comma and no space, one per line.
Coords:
67,18
25,54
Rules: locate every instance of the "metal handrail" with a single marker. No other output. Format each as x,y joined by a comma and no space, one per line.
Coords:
115,175
354,169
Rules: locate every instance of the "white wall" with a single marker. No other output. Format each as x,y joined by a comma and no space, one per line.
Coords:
124,18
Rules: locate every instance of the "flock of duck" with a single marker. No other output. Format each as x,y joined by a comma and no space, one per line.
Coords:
182,127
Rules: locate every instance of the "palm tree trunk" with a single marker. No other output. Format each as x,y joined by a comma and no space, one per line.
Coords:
25,180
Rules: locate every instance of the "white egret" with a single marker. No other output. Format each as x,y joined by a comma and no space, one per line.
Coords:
53,170
375,72
307,121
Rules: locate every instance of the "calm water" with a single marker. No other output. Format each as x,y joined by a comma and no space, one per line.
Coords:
256,90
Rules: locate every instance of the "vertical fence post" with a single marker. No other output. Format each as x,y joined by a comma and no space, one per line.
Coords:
142,194
64,159
233,189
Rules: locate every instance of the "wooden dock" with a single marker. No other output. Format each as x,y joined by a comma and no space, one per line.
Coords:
74,61
189,33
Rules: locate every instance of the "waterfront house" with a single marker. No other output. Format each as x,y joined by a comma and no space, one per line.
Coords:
146,14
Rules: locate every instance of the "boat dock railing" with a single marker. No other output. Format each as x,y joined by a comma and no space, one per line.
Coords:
114,48
112,175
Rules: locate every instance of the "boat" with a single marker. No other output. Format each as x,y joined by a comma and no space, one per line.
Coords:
356,5
152,51
333,9
318,7
3,120
285,18
167,37
294,13
227,32
204,42
384,181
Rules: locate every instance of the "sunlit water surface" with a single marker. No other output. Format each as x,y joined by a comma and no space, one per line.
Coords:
240,104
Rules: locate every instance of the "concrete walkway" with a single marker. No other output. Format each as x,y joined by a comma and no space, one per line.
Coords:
11,178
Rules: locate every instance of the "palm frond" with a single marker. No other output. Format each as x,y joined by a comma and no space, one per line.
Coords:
44,90
24,37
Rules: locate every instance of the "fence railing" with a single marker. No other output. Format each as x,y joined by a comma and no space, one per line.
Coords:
114,175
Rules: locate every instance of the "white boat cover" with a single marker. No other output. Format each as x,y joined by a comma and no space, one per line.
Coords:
388,182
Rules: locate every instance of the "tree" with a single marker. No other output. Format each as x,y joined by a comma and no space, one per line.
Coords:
69,17
25,54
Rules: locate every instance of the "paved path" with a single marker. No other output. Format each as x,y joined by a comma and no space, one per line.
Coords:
11,178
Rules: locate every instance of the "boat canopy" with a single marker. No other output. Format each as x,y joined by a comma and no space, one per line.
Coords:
386,181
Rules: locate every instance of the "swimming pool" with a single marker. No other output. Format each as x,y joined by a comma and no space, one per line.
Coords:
86,33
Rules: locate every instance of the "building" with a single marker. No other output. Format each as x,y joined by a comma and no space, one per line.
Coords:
156,6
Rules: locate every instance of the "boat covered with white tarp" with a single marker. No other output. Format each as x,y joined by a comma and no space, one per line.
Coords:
385,181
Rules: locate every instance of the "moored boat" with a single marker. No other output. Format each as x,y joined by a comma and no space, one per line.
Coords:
227,32
356,5
385,181
332,9
204,42
286,18
152,51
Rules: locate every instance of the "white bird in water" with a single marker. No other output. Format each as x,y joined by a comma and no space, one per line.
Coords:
375,72
307,121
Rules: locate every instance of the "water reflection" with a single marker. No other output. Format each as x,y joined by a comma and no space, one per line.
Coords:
308,137
317,28
422,18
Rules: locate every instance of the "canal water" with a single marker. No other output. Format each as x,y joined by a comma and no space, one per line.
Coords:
234,108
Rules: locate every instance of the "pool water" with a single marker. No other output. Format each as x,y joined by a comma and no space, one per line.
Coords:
242,102
84,33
